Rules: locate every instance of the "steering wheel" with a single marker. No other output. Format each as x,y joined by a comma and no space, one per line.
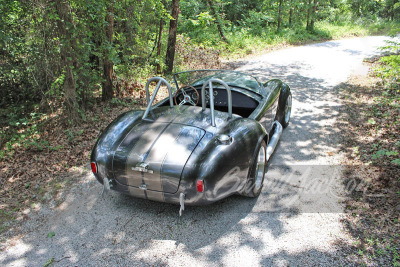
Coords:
186,97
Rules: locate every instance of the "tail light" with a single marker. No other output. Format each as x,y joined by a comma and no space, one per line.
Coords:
200,186
94,167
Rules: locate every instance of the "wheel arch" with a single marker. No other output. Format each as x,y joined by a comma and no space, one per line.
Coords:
224,168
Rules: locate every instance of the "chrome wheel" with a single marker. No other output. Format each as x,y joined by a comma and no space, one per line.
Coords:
288,108
259,175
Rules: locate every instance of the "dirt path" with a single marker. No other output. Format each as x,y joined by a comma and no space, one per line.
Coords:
295,221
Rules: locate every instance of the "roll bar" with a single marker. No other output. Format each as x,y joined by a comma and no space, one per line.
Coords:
211,92
150,101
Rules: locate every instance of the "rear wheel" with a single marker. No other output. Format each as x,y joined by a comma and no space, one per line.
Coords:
256,175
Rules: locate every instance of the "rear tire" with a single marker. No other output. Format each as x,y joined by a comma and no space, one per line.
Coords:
255,179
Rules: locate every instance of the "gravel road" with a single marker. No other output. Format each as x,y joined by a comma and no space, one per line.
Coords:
295,221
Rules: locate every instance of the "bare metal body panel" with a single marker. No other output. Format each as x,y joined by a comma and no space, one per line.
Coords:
166,153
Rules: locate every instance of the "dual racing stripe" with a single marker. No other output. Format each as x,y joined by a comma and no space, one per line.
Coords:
165,147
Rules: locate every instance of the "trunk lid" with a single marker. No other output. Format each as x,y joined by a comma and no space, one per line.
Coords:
153,154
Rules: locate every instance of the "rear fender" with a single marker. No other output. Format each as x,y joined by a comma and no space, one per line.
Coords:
223,168
104,149
281,103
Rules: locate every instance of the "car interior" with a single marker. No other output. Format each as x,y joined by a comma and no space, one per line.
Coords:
242,104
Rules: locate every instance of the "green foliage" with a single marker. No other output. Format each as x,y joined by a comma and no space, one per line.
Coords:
30,37
22,132
384,152
389,68
49,262
31,40
51,234
371,121
251,26
204,19
71,135
258,23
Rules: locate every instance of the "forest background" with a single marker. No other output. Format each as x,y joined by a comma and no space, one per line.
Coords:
60,55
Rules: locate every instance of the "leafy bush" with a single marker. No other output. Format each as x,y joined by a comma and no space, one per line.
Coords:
258,23
389,66
388,69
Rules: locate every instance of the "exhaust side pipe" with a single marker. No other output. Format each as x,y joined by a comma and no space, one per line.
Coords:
273,141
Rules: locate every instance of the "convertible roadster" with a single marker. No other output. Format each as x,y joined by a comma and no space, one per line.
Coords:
209,139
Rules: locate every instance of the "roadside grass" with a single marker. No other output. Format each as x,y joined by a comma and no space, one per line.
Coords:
371,144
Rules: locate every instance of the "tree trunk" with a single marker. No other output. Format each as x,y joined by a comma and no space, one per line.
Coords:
313,12
279,15
169,58
67,59
107,86
159,45
217,21
291,13
392,12
308,27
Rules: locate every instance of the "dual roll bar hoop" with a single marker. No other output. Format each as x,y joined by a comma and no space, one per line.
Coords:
208,83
